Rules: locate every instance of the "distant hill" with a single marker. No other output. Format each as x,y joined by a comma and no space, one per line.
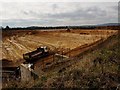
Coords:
109,24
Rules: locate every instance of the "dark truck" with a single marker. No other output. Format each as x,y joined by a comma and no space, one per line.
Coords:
37,54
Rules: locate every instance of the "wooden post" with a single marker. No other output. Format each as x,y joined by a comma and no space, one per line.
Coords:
62,54
43,64
69,52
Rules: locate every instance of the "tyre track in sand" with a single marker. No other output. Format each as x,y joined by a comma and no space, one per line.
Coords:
52,47
16,49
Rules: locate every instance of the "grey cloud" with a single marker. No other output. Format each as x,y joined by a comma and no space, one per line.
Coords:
114,8
31,13
22,22
55,6
96,11
80,14
24,12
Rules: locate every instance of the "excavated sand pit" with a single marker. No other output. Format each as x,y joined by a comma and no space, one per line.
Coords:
14,46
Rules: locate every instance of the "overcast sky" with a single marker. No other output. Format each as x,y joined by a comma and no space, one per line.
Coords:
58,14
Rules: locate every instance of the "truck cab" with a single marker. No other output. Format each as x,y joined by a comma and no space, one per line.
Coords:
37,54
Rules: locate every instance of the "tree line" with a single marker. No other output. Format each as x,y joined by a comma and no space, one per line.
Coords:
61,27
41,28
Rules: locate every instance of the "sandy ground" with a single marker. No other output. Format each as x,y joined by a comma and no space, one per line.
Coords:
15,46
